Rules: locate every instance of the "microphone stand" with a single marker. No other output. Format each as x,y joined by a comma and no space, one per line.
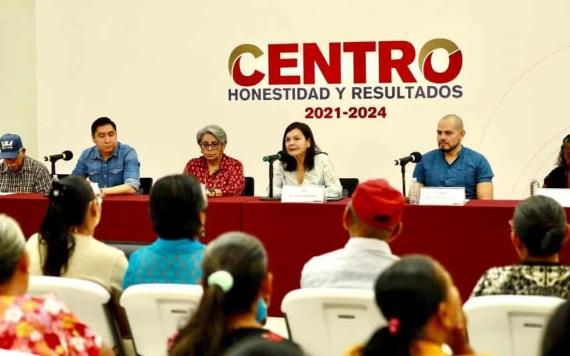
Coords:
53,174
403,170
270,196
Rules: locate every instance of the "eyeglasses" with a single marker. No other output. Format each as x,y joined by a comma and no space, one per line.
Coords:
210,145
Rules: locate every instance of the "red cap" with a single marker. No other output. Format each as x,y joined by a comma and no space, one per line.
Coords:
378,204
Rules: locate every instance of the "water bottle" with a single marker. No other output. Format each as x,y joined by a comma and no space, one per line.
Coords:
534,185
414,194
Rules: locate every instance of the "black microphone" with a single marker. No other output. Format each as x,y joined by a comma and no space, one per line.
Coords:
413,157
279,155
65,155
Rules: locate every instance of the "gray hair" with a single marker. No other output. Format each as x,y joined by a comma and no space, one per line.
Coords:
12,244
214,130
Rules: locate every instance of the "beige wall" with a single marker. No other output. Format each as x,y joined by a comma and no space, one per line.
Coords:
160,69
18,71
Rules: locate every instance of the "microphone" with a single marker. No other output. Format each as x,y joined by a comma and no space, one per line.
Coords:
279,155
65,155
413,157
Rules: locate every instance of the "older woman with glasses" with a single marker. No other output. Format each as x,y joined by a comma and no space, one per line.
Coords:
220,174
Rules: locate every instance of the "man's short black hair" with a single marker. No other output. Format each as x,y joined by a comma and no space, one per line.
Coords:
102,121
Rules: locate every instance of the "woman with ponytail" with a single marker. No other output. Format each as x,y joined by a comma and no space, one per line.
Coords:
538,231
65,245
32,324
237,288
423,309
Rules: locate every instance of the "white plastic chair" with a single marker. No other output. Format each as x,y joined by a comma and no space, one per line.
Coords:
156,311
4,352
508,325
325,322
88,300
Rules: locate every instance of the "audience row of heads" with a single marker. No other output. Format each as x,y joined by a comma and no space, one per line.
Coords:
416,295
178,211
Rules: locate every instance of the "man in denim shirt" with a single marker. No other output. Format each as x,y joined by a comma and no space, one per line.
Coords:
111,164
453,165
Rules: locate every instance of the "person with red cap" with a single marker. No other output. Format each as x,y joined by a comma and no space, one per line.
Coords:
373,218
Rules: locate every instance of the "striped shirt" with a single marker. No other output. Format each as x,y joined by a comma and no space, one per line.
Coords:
33,177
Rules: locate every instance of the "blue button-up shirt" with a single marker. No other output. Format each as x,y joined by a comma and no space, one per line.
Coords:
121,167
468,169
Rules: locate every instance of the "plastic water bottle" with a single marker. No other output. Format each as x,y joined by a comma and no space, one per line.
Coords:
414,194
534,185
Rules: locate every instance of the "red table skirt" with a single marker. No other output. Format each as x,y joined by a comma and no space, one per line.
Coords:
466,240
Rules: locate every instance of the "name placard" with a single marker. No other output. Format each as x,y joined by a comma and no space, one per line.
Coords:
442,196
561,195
303,194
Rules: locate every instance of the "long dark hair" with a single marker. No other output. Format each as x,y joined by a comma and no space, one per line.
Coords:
555,341
290,163
69,200
408,294
561,162
175,205
242,256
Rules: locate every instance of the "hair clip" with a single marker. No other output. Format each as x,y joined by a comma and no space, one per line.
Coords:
394,326
223,279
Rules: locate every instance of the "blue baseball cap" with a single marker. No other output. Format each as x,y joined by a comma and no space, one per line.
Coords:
10,145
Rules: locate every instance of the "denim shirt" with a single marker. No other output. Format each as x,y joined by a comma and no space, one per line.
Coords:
121,167
469,169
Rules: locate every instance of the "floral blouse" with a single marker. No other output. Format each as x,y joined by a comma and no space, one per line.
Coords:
44,326
229,178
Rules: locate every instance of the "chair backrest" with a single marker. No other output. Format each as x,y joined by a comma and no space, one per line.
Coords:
327,321
508,325
156,311
88,300
146,184
249,188
348,184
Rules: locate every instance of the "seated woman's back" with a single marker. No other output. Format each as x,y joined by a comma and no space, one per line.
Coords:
65,245
233,307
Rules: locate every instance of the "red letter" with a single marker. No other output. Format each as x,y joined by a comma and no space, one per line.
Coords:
235,69
455,60
386,63
359,50
312,56
276,63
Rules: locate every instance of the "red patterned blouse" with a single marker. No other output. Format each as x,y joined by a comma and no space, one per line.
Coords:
229,178
44,326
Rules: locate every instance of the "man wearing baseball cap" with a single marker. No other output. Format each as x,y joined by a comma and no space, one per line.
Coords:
373,218
18,172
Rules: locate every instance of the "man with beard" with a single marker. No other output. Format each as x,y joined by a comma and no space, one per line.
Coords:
453,165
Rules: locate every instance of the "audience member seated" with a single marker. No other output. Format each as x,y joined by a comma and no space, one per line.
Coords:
178,214
559,177
555,341
304,164
38,325
373,218
65,245
538,231
222,175
235,280
263,347
423,309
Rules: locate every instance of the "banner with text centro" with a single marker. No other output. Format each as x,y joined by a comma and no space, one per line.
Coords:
371,79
